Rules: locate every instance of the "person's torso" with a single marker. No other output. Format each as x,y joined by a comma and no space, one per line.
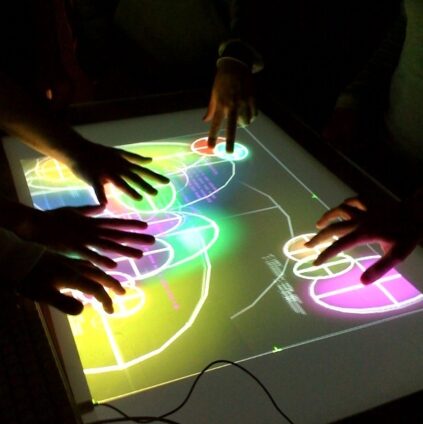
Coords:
405,114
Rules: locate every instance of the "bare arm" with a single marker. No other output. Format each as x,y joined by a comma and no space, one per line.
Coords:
21,116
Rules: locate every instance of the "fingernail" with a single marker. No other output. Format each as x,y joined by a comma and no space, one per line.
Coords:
366,279
137,254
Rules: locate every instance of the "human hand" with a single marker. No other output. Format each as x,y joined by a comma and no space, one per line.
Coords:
231,99
97,164
73,230
398,228
54,272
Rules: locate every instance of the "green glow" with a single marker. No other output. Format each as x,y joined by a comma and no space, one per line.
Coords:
167,289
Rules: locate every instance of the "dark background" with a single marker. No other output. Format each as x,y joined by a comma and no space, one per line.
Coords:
311,49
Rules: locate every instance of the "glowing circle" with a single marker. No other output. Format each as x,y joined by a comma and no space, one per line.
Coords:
129,303
347,294
164,200
240,152
164,223
200,146
50,175
295,250
335,266
156,258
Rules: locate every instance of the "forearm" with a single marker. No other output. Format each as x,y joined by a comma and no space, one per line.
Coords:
242,43
15,216
371,85
21,116
17,258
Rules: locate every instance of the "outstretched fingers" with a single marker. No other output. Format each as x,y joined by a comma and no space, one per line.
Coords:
89,210
337,229
356,203
231,129
126,236
130,224
100,192
120,183
145,172
96,258
343,211
96,274
134,157
215,125
120,249
344,243
139,182
391,258
64,303
95,289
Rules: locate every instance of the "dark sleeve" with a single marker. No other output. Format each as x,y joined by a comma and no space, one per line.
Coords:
242,42
370,88
17,257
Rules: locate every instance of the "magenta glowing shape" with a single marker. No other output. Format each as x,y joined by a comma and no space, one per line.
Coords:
345,293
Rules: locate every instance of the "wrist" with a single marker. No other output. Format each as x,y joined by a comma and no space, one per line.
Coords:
15,216
19,255
231,65
71,149
244,53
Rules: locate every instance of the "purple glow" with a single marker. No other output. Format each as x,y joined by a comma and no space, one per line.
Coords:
345,293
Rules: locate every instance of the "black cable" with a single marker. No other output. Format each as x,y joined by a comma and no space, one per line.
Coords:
144,419
162,418
119,411
225,361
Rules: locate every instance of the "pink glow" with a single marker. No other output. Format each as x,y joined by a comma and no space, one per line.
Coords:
345,293
200,146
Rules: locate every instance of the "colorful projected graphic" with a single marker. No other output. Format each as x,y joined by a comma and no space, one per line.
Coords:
228,276
336,284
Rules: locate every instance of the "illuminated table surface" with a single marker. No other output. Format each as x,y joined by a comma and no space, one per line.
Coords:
229,278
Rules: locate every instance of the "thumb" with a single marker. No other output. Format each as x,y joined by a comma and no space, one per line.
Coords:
100,193
91,209
64,303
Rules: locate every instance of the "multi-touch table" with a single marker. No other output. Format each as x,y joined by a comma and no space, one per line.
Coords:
229,278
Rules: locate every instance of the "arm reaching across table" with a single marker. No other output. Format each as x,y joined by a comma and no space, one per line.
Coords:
39,275
397,227
73,230
21,116
232,96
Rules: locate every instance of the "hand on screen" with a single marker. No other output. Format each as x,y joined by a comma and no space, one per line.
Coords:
231,99
395,227
97,164
74,231
54,272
